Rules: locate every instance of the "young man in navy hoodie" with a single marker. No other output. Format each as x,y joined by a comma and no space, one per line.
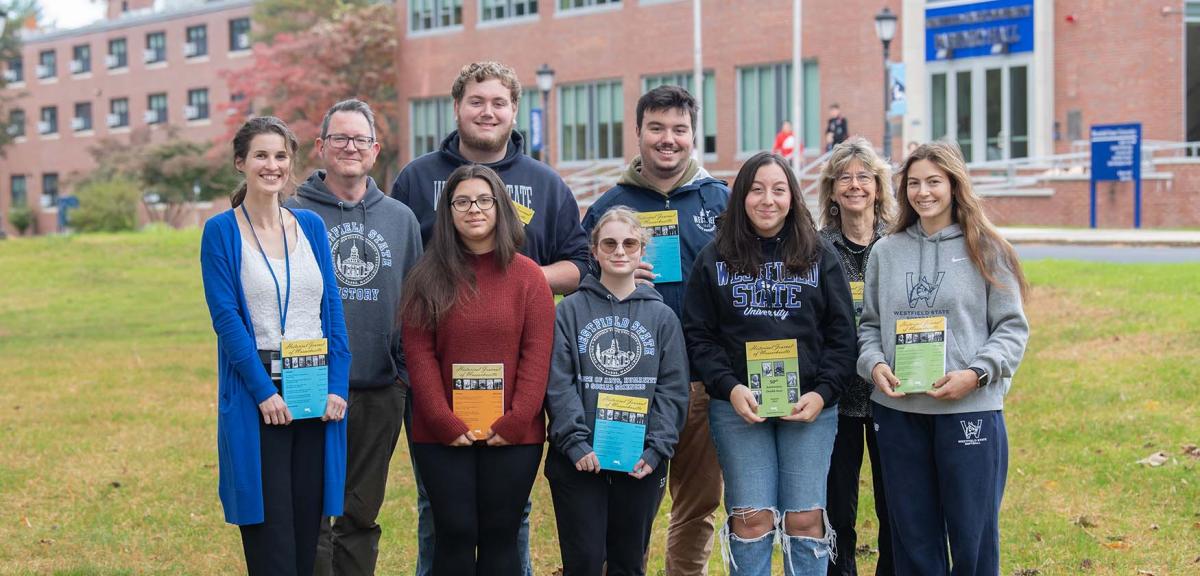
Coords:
665,178
486,96
374,240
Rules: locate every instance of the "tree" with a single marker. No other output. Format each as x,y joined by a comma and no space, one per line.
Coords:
300,75
275,17
10,47
106,206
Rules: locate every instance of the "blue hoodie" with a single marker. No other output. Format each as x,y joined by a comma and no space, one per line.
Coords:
554,233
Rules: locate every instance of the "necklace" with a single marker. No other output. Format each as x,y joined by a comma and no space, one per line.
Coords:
848,243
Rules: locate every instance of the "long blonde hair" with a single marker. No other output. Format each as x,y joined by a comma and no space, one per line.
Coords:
843,154
985,246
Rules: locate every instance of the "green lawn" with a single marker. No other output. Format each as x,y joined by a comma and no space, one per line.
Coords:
108,464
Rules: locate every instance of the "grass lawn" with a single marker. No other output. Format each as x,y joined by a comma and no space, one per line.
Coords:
108,464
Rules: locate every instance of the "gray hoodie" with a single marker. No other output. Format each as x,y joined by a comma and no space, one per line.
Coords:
913,275
631,347
374,243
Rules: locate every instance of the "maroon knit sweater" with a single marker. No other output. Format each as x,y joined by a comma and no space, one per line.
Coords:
509,320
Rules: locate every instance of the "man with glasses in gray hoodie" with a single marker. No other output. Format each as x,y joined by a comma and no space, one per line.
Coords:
375,240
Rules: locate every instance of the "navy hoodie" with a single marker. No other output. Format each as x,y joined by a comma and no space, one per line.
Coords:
631,347
554,233
374,243
725,310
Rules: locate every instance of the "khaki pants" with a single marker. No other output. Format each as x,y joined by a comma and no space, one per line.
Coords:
695,485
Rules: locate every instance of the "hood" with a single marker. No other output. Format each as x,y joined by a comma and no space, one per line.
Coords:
516,147
314,189
591,286
692,174
915,231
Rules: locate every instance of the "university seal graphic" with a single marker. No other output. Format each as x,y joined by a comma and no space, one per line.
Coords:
354,266
615,351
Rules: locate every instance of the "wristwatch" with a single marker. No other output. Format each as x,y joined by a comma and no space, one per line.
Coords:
982,375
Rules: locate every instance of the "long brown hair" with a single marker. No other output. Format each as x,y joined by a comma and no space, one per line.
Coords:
736,240
857,148
241,147
985,246
433,286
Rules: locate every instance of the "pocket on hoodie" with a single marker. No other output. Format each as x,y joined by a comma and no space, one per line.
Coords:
372,362
956,355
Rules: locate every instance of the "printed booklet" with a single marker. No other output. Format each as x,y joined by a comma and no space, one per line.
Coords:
305,377
663,250
773,375
478,395
620,433
920,353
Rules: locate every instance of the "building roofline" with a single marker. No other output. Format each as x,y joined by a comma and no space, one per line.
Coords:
133,20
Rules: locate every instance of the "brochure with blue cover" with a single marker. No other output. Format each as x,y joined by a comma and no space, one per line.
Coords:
663,250
620,433
305,377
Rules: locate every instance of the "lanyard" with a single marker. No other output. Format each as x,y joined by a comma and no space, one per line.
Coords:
287,261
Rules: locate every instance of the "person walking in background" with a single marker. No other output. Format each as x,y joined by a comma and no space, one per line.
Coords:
836,129
856,206
269,281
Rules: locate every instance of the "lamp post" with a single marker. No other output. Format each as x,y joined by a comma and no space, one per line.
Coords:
545,83
885,28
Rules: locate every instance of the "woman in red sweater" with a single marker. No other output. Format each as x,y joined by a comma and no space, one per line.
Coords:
478,323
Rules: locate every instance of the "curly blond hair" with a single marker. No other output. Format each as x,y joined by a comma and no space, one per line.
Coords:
483,71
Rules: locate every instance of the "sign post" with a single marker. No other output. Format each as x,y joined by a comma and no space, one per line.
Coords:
1117,156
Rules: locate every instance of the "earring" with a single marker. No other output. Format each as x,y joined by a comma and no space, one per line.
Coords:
833,210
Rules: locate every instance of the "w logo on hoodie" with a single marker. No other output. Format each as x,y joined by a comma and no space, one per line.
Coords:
923,290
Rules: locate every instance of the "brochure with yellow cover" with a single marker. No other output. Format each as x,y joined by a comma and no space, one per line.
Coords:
920,358
773,375
478,395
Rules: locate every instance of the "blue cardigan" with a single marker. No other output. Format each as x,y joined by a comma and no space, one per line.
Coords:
243,382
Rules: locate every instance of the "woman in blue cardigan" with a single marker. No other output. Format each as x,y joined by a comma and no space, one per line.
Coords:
270,287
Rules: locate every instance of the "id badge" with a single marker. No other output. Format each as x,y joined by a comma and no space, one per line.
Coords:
276,366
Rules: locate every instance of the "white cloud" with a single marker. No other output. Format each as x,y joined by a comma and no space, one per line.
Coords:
72,13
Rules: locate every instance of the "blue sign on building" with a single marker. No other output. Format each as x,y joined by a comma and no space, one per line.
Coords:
535,130
1117,155
978,29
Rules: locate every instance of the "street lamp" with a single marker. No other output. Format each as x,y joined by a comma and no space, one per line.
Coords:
545,83
885,28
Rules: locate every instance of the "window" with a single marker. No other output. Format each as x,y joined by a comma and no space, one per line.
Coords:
83,117
708,107
156,48
15,72
239,34
49,121
492,10
432,121
197,104
16,123
118,113
590,121
47,64
20,191
197,42
156,108
49,190
118,56
530,99
434,14
765,101
564,5
81,59
238,104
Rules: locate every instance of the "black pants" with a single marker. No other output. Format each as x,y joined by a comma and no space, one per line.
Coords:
603,517
842,504
293,478
477,494
351,546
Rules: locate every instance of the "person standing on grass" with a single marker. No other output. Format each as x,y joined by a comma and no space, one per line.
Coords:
612,328
664,179
856,205
473,300
836,129
944,452
768,281
375,240
269,280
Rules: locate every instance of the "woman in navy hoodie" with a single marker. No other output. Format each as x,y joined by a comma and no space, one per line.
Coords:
617,401
769,282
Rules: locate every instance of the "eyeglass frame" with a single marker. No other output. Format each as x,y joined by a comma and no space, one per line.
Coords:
476,202
627,244
863,178
355,139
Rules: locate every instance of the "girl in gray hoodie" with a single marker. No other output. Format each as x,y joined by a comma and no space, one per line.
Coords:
617,400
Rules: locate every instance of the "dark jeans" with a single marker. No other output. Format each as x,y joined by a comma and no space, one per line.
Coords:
351,546
605,516
477,494
842,495
293,479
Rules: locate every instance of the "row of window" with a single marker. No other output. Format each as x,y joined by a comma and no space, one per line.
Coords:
197,108
591,123
195,46
19,190
438,14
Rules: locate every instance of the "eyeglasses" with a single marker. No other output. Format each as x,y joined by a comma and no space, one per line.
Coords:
609,245
863,178
464,204
342,140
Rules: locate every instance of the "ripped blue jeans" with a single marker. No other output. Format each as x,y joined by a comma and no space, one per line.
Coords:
774,467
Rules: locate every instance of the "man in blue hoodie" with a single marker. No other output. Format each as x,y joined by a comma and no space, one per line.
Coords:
486,96
666,180
375,240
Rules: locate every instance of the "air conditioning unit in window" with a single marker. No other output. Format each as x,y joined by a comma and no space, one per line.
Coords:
13,130
150,56
152,117
113,120
78,124
44,128
191,49
10,76
242,41
76,66
111,61
191,112
44,71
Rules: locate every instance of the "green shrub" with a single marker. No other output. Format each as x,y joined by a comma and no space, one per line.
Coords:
106,206
21,217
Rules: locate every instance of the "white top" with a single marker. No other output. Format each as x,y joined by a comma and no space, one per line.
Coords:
304,309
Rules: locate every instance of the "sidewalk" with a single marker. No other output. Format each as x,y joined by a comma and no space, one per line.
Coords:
1102,237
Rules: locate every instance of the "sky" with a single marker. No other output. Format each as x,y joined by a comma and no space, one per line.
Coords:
72,13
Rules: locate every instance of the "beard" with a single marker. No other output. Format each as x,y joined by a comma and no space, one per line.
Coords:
489,145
